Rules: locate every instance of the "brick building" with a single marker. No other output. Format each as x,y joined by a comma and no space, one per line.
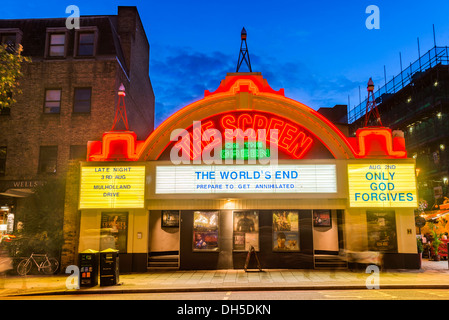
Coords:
69,95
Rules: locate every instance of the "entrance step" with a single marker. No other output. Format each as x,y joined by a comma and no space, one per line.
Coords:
324,261
163,262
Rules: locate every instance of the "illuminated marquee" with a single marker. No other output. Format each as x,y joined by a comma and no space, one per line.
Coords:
382,185
291,138
306,178
104,187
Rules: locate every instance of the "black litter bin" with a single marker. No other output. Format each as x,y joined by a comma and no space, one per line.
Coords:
109,267
88,265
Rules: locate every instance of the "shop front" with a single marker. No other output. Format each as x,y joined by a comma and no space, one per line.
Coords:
248,168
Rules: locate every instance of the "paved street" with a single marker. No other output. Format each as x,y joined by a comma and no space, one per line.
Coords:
393,294
433,275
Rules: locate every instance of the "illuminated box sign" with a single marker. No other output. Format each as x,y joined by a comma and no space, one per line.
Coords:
246,179
112,187
248,150
382,185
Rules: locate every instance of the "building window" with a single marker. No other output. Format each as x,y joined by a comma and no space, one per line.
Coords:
57,45
10,40
82,100
86,44
2,161
78,152
47,159
52,102
11,37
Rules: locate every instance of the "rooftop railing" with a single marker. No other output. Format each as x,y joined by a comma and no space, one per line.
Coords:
433,57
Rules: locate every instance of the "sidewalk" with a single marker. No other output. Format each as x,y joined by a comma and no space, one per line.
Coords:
432,275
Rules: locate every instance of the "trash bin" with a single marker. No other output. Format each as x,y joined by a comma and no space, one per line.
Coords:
109,267
88,265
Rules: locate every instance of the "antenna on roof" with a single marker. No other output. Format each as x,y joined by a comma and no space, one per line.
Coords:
434,39
120,113
244,54
371,105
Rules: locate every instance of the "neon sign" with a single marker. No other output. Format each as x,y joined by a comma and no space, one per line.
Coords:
236,126
249,150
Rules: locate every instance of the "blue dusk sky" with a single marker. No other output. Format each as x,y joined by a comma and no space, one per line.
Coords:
320,52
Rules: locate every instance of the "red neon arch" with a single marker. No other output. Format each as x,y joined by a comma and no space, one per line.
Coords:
235,93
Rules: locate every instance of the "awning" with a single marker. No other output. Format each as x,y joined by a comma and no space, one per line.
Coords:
435,214
18,193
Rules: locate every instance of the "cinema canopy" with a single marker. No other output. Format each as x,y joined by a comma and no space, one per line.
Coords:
325,194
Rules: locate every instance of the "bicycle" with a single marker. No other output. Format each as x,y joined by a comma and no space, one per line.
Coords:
47,265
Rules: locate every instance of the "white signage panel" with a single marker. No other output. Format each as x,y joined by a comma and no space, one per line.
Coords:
307,178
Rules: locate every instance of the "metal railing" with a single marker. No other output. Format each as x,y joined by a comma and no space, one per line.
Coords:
432,58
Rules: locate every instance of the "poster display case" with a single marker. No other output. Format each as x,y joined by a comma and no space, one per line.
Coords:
245,230
322,218
285,231
205,231
114,231
170,219
381,227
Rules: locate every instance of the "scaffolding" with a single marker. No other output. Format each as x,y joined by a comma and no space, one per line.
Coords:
433,57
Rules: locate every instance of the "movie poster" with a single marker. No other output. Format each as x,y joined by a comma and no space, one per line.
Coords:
322,218
246,230
285,231
170,219
205,231
114,231
381,231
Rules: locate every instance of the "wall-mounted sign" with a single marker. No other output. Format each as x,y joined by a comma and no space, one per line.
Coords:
20,184
307,178
112,187
382,185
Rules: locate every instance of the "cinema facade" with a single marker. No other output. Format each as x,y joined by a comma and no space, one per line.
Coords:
214,181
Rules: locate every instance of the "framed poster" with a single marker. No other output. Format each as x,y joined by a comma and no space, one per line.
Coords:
381,227
170,219
114,231
205,231
246,230
322,218
285,231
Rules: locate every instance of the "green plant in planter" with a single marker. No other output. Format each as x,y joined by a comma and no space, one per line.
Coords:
435,243
419,245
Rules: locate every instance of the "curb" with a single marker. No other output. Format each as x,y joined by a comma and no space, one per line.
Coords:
230,288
